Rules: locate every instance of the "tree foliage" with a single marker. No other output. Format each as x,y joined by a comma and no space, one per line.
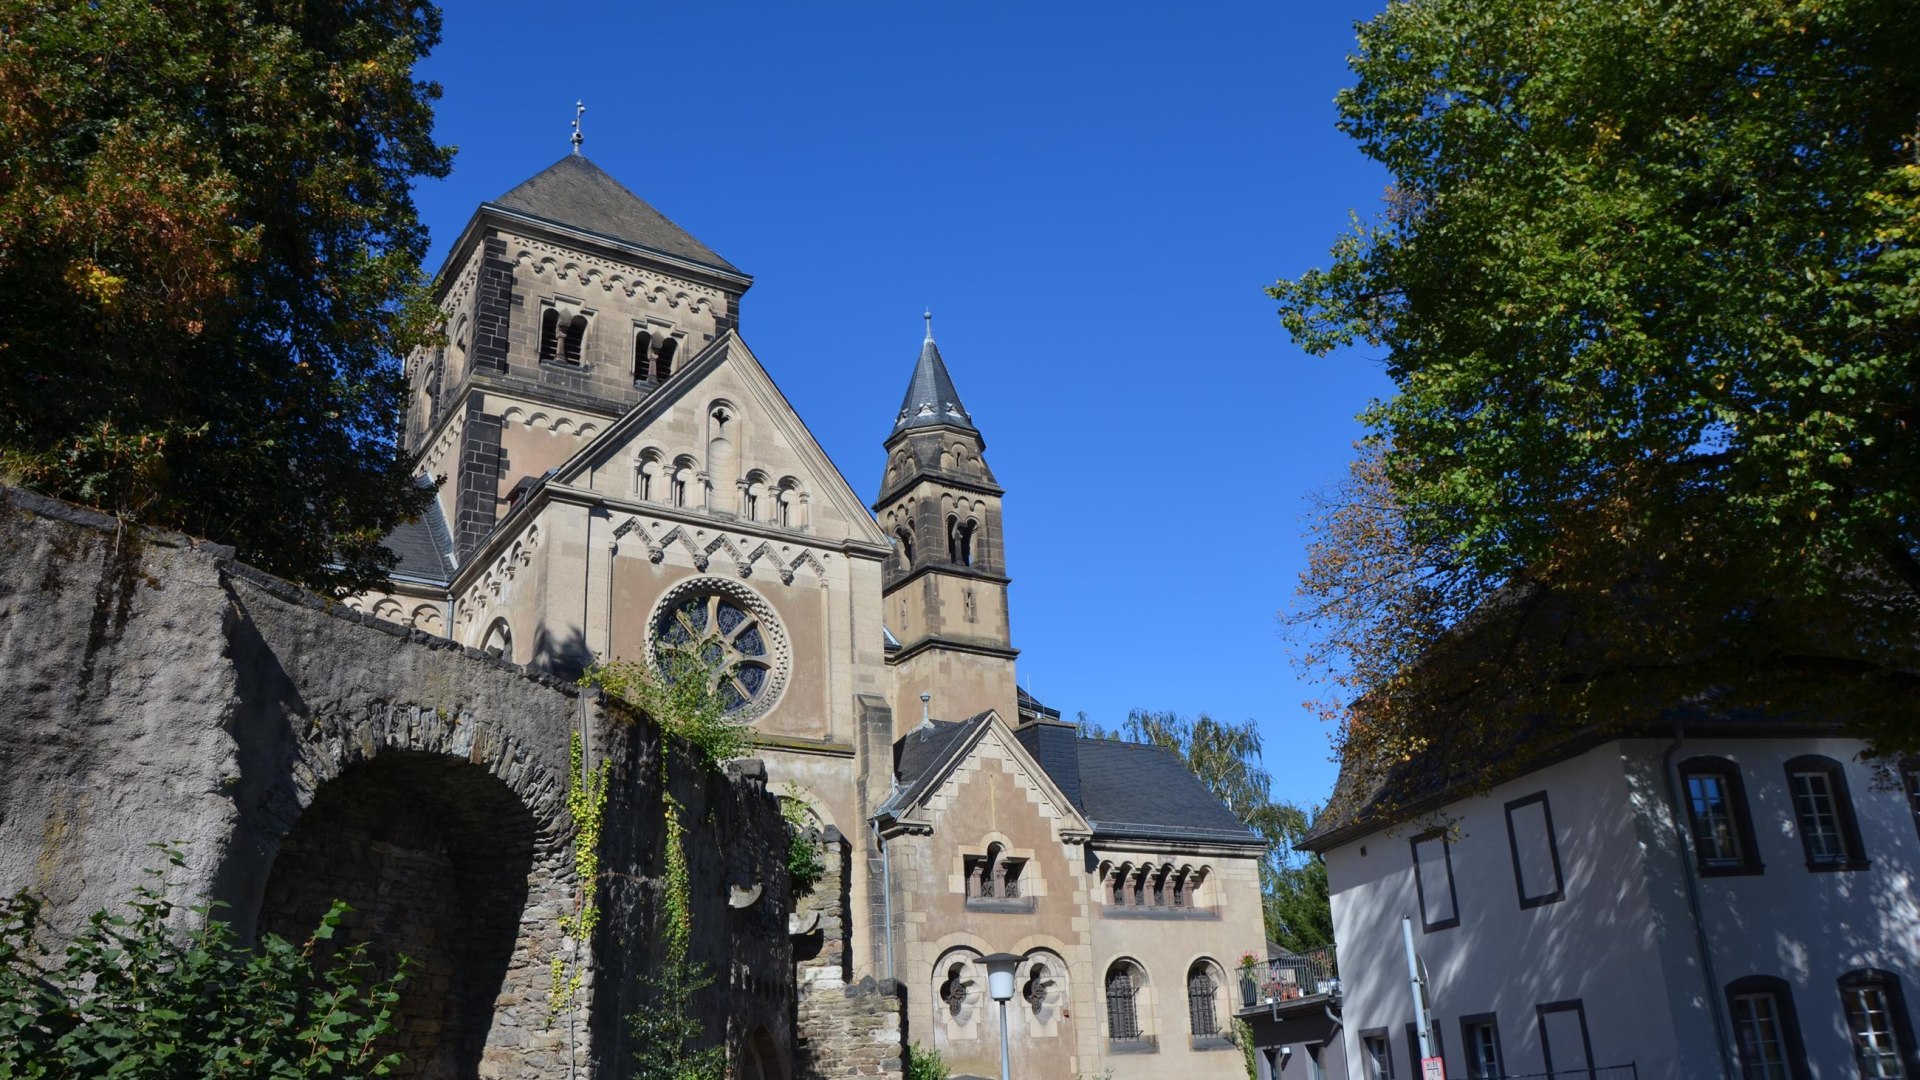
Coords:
128,998
1645,282
1226,758
209,260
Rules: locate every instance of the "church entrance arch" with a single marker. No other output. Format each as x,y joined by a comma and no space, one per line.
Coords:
433,854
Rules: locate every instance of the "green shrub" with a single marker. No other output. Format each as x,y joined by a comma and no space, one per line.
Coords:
923,1063
131,1000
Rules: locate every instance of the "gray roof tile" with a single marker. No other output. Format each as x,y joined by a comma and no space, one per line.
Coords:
1139,791
577,193
423,546
931,398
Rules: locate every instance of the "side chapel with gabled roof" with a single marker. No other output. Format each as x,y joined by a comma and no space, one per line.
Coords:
614,464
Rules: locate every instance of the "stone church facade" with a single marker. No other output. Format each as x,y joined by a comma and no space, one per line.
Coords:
615,465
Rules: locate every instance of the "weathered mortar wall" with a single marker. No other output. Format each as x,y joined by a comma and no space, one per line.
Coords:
154,690
847,1028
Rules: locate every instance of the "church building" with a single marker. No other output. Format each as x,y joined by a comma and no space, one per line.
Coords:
615,468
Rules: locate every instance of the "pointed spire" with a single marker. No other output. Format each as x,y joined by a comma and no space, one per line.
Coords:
931,398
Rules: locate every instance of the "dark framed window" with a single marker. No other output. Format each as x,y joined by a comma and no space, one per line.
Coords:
1722,828
1123,1007
1202,992
1377,1054
1766,1031
1823,813
1878,1026
1480,1034
1565,1044
1910,782
1433,880
1535,851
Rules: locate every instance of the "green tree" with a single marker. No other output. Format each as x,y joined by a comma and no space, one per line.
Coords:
1226,758
129,998
211,260
1645,282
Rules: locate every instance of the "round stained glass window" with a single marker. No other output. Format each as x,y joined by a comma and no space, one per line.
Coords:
740,640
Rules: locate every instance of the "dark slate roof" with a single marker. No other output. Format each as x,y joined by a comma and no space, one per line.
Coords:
931,399
424,546
919,753
1051,742
1139,791
577,193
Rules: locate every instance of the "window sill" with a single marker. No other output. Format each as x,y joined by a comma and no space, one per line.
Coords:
1835,867
1017,905
1145,1044
1210,1042
1110,911
1443,924
1733,870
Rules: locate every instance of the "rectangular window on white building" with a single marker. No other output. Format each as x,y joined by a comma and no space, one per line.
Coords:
1535,851
1481,1034
1878,1024
1433,880
1564,1041
1378,1057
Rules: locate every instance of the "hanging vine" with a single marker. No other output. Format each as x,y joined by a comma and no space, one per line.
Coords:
587,806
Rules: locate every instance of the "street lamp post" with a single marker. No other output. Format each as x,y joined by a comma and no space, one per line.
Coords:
1000,987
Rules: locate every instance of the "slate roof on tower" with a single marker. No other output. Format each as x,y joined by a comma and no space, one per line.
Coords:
931,399
578,194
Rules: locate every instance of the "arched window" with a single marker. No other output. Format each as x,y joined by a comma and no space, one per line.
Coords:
1766,1033
963,541
1717,813
1878,1024
663,358
955,988
1203,990
549,334
905,548
1124,982
499,641
789,500
642,355
574,339
647,479
683,481
1823,809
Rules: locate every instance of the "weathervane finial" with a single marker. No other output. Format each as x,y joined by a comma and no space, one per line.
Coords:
928,315
579,108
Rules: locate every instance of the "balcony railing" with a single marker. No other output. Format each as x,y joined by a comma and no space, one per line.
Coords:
1290,977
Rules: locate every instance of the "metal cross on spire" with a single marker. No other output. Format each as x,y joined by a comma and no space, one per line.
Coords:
579,108
928,315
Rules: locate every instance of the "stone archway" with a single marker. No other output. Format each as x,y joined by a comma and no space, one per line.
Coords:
760,1058
434,855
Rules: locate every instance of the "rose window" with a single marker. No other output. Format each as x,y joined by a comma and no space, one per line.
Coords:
740,641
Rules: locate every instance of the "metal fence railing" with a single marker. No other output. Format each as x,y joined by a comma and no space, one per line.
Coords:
1294,975
1629,1071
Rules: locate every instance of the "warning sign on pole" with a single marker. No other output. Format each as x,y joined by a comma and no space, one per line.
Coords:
1433,1068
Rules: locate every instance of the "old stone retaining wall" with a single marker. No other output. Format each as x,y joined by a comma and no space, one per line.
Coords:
153,689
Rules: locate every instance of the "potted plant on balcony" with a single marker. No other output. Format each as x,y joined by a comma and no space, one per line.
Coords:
1249,980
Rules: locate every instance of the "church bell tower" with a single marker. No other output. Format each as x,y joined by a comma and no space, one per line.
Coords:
946,585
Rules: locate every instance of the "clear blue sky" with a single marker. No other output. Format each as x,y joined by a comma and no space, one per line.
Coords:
1089,197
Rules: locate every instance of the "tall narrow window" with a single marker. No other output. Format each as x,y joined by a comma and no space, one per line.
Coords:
642,354
1766,1034
1202,989
663,358
1482,1037
549,334
1717,814
1535,851
1376,1054
1123,1012
1878,1024
1824,812
1910,779
1433,881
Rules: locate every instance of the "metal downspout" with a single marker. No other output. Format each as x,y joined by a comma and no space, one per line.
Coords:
886,890
1683,847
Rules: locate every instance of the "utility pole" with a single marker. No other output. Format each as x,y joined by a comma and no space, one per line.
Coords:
1432,1066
